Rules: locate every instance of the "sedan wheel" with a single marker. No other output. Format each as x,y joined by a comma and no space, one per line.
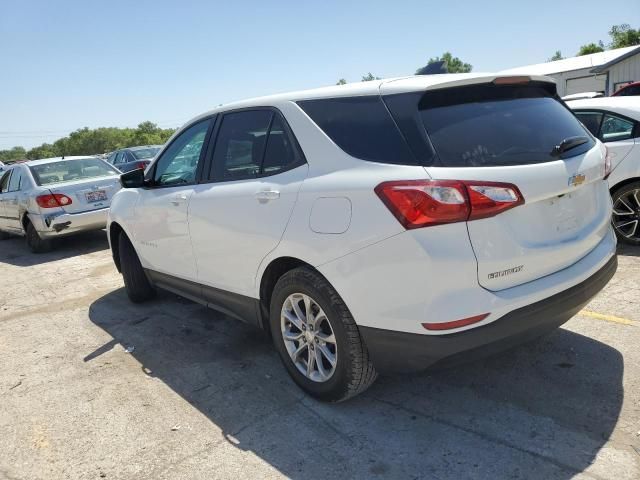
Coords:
626,214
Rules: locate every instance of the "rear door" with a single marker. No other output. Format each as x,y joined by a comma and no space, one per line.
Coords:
238,218
4,188
12,199
510,134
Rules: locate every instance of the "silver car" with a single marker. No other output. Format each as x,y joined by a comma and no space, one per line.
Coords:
55,197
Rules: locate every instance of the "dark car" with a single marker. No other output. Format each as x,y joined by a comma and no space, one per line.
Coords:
131,158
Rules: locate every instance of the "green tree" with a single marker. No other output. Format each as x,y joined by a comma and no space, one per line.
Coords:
556,56
624,36
369,76
342,81
452,64
15,153
591,48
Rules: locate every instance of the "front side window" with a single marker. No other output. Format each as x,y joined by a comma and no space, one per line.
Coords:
179,163
591,120
71,170
615,128
4,182
16,180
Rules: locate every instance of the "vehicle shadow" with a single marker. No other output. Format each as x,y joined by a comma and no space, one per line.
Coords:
14,251
543,410
628,250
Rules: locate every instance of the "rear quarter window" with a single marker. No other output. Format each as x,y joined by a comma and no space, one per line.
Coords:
362,127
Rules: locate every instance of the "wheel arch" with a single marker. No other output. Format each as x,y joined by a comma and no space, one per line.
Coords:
623,183
272,273
115,229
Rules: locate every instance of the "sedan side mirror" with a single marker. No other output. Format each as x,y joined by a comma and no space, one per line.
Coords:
133,179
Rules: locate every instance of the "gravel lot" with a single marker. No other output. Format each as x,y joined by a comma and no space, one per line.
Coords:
92,386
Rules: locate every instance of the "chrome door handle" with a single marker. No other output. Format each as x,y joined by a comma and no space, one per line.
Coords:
266,195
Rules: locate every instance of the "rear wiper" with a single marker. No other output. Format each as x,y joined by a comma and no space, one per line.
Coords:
567,144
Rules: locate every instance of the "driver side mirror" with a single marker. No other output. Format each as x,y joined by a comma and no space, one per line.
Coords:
133,179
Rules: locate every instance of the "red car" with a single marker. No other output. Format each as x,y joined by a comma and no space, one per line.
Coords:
628,90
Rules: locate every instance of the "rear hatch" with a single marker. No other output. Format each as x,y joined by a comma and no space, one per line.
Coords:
89,183
514,131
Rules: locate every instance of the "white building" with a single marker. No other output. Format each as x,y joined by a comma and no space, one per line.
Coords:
599,72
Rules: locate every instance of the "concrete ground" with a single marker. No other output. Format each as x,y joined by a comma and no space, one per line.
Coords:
92,386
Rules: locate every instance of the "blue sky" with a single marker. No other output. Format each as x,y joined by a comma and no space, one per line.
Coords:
69,64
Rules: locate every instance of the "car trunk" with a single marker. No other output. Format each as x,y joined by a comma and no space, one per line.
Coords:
513,134
87,195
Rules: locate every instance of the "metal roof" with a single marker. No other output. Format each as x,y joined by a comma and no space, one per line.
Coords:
598,62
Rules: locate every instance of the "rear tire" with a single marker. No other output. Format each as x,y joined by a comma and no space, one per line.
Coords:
352,371
138,287
36,243
626,213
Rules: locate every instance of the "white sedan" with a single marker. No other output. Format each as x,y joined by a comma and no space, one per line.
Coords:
55,197
616,122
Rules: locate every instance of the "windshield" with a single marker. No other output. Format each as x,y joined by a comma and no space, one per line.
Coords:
495,126
145,152
71,170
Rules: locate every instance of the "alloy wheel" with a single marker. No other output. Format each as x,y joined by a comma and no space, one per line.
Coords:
308,337
626,214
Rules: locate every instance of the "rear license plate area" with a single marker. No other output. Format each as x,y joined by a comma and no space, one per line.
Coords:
96,196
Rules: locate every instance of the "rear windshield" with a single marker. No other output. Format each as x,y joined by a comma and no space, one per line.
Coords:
71,170
489,125
145,152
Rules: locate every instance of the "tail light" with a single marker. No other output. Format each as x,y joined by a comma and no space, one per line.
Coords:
143,165
607,162
53,201
424,203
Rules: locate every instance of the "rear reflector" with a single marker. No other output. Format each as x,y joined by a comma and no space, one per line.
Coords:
53,201
456,323
424,203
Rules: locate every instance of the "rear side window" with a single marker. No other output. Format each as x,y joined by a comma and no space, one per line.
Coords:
362,127
4,182
489,125
591,120
615,128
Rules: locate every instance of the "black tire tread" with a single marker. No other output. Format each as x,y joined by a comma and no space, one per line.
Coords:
136,283
362,372
35,243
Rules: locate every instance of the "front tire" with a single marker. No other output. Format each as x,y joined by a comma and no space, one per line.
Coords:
36,243
136,283
317,338
626,213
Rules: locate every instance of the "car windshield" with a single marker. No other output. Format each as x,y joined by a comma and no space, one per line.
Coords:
145,152
71,170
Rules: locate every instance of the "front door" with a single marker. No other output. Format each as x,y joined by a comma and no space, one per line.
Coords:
161,230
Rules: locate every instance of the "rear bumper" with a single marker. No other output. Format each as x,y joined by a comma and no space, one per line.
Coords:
393,351
69,223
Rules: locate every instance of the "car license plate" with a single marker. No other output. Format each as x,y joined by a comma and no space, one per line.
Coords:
97,196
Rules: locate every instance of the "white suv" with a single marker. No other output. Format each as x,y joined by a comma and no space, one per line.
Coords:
385,226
